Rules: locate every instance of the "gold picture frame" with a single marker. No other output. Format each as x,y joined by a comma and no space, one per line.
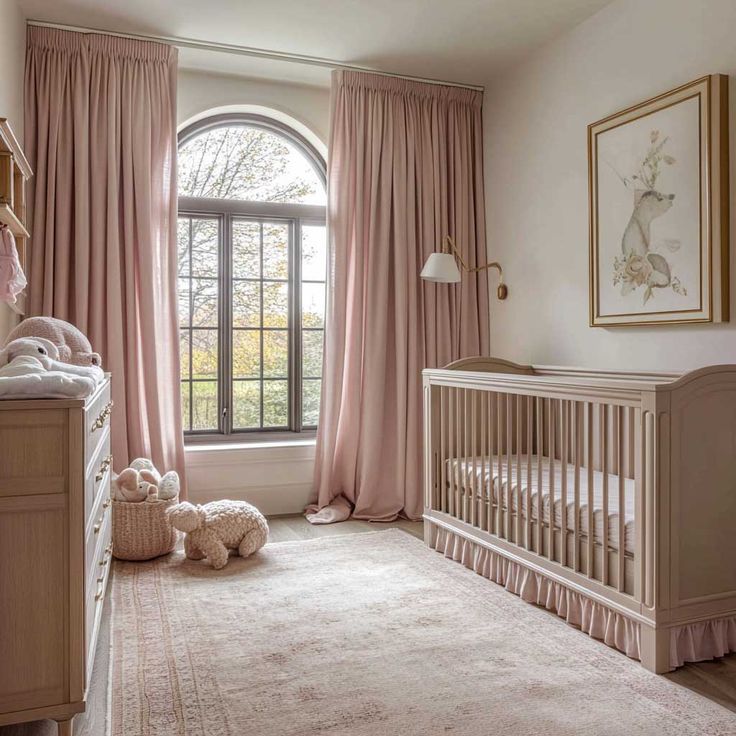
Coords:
658,183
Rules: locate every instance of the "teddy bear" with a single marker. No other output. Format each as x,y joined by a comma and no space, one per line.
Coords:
218,529
142,482
72,344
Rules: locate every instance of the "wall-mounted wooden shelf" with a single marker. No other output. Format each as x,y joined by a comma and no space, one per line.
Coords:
14,173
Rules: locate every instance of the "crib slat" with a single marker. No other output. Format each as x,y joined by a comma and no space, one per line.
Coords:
540,454
517,513
508,440
529,430
482,445
474,483
443,450
604,502
591,518
620,464
578,440
551,477
491,437
466,489
499,447
565,426
458,448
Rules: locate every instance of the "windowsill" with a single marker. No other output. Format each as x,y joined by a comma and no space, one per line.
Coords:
254,445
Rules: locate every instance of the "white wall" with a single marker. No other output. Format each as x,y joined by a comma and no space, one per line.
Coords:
537,184
200,92
12,61
275,478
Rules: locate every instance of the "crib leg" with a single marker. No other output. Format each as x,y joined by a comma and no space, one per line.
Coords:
655,649
427,533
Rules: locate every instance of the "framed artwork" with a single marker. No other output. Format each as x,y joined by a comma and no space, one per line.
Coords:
659,218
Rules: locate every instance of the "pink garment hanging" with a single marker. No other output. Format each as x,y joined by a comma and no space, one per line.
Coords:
12,278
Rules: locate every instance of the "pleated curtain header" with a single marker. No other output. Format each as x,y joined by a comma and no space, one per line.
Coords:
74,42
405,87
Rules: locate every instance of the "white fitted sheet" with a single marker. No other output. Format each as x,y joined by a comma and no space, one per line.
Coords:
464,473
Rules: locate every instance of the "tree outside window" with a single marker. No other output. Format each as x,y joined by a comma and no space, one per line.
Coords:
252,272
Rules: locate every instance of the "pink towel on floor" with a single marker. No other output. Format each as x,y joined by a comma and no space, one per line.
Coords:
12,278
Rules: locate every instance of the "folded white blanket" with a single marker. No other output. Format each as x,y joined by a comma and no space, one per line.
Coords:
26,377
46,385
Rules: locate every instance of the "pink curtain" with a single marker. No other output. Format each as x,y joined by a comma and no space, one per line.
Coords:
100,131
405,169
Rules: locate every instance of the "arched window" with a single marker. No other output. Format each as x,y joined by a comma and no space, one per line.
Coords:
252,272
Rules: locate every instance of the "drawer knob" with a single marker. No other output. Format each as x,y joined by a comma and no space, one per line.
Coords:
104,465
99,423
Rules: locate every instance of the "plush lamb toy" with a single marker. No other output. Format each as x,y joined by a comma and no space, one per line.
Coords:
219,527
73,346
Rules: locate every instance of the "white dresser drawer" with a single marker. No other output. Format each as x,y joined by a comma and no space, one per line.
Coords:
97,418
95,593
98,476
97,526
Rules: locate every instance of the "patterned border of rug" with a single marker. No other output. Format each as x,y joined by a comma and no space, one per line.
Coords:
367,634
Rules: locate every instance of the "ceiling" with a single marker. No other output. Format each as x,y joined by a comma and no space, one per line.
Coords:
466,41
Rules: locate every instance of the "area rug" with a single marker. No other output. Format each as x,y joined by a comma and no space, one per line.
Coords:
367,635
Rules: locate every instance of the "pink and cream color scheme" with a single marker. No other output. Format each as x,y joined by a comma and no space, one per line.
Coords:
604,496
405,170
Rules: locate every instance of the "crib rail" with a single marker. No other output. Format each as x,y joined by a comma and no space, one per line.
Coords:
546,468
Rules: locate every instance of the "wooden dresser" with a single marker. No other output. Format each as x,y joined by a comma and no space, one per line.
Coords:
55,552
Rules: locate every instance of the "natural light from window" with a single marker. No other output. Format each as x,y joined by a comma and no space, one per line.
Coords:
252,280
248,163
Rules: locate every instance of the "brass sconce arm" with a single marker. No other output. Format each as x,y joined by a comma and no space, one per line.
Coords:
502,291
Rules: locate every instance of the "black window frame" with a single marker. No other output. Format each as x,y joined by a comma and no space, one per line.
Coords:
226,211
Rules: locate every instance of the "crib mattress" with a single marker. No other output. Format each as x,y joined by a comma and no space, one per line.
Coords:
477,479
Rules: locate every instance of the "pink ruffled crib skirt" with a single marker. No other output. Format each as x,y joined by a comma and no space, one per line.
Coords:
689,643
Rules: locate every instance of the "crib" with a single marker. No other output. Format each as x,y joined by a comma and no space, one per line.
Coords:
609,497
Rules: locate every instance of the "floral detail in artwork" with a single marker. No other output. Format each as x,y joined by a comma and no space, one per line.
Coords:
639,266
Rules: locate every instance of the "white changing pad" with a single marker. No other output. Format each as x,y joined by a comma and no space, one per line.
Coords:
463,471
47,385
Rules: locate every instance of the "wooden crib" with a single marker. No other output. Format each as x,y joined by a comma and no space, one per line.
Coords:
607,496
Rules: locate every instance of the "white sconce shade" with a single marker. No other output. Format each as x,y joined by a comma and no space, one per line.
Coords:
441,268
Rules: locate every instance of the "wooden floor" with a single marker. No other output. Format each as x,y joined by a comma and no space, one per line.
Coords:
714,680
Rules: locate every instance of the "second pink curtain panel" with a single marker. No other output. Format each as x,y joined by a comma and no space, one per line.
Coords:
405,169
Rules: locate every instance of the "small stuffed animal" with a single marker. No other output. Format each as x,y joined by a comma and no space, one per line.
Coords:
169,485
142,482
129,487
217,528
26,355
73,346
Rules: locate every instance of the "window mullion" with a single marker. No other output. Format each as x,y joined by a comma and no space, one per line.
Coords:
225,270
296,332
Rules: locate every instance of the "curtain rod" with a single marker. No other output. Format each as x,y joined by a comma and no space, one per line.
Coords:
230,48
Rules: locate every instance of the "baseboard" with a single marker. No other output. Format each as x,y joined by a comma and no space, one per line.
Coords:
274,500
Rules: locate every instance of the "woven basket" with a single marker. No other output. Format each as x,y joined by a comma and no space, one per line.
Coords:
141,531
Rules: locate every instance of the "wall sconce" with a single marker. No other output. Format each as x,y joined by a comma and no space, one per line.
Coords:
442,268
